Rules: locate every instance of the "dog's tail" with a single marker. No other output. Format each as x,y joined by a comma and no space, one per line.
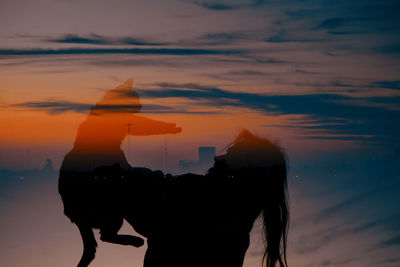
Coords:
89,243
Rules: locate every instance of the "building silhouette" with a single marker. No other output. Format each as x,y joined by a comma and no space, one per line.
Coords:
206,159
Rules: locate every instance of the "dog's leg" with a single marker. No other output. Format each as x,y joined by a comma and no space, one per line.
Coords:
89,243
109,233
140,226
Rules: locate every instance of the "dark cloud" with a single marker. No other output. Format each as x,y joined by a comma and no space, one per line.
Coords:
284,37
332,116
220,38
386,189
238,75
316,240
381,222
221,5
95,39
145,51
393,48
388,261
55,107
312,242
332,23
342,26
75,39
394,241
361,117
58,107
212,38
216,6
138,41
388,84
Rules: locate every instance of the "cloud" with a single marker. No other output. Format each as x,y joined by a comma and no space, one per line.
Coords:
332,23
58,107
329,116
394,241
75,39
55,107
388,84
221,5
342,26
381,222
386,189
388,261
311,243
345,26
216,6
361,118
95,39
393,48
239,75
284,37
138,41
220,38
146,51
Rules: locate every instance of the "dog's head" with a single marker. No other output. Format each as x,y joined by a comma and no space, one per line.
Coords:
120,100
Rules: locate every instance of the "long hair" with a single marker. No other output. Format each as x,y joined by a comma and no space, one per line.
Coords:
269,162
276,219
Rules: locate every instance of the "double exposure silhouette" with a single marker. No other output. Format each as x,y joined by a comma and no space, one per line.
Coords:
99,137
91,198
206,220
188,220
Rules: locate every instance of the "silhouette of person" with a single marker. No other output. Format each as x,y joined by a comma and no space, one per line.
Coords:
206,220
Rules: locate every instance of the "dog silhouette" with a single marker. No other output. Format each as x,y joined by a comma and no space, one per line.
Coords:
93,173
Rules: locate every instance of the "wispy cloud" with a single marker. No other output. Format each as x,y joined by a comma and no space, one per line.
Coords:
95,39
57,107
358,119
283,36
219,38
357,199
392,48
380,222
146,51
330,116
394,241
216,6
222,5
391,260
388,84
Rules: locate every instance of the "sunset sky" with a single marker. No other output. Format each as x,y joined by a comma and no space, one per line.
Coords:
321,78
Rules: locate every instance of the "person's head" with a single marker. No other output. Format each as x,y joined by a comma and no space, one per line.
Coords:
265,163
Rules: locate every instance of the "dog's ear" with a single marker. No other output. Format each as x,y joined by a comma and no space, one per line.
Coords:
122,99
118,92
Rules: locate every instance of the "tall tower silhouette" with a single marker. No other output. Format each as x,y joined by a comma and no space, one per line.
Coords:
129,128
